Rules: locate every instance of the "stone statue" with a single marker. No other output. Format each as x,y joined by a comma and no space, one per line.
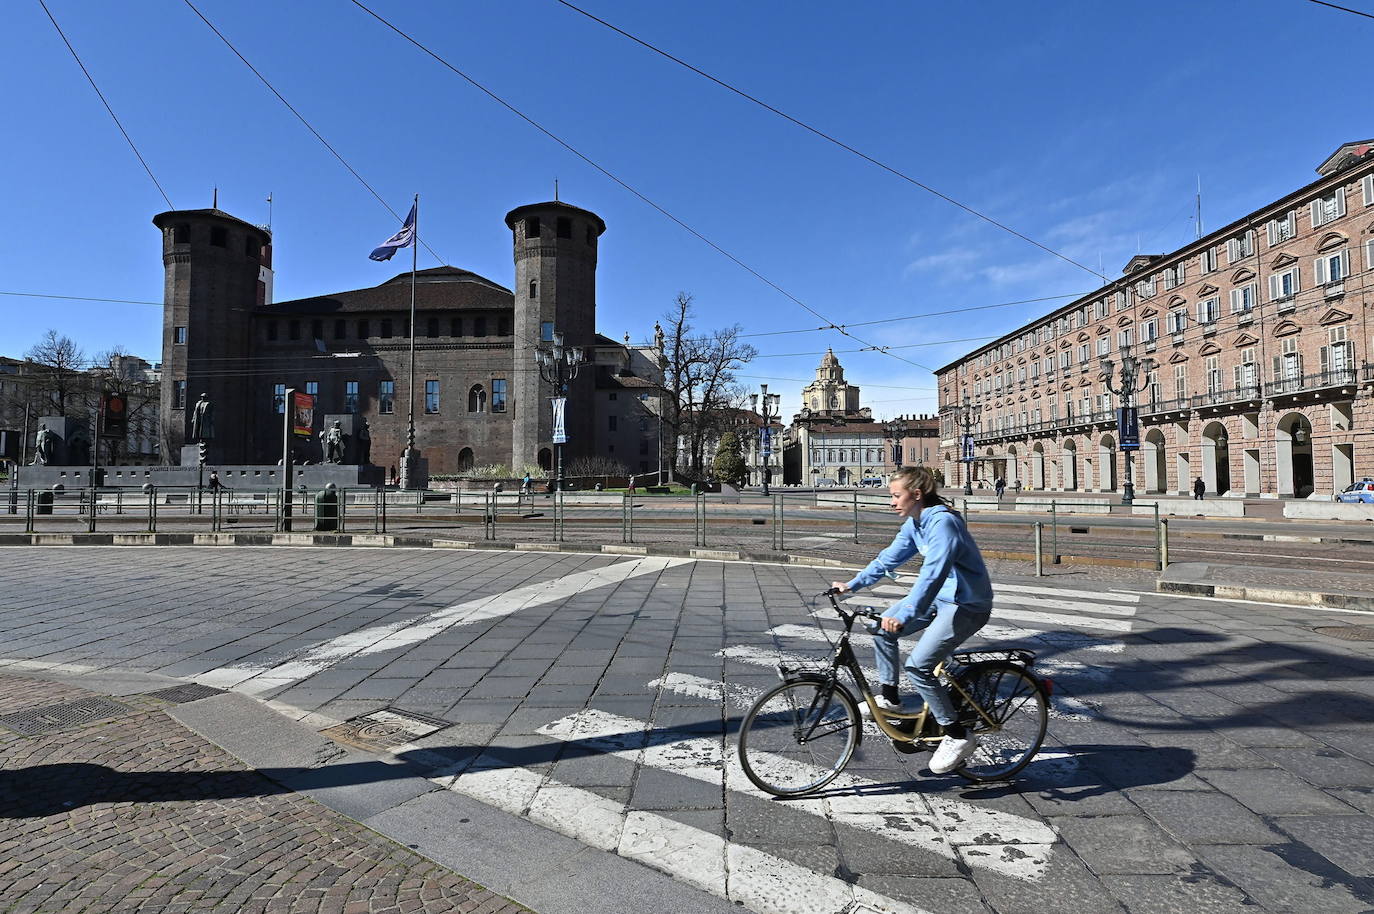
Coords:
203,419
44,444
333,443
659,340
364,444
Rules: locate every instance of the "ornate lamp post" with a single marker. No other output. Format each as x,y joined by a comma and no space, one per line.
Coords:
968,417
772,409
558,365
1133,376
896,430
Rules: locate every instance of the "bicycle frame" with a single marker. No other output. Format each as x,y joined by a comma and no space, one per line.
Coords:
845,658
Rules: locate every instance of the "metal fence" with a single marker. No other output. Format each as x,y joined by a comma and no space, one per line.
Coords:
851,525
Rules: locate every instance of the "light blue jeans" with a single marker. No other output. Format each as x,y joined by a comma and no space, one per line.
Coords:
943,628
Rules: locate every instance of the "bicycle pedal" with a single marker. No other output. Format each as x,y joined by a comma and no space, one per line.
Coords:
906,747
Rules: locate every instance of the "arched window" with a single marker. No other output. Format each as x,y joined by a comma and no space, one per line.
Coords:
545,458
465,460
477,399
834,402
534,288
815,402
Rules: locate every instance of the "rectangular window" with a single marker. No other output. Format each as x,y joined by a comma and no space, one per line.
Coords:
1336,355
340,329
313,388
1208,310
1145,288
293,329
1288,363
479,326
317,329
350,396
1367,186
1034,370
1120,300
178,395
502,325
1180,381
1332,268
1065,359
1243,299
1123,338
1245,374
1207,260
563,227
1100,309
1048,365
612,422
1241,246
498,395
1328,207
1149,330
432,327
278,398
179,336
1178,320
1021,374
386,397
455,327
1083,354
364,331
1104,346
386,328
431,397
271,330
1283,286
532,227
1282,229
1213,374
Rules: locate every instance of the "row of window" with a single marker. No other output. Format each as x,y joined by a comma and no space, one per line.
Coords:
841,455
219,237
386,328
386,396
1322,210
562,228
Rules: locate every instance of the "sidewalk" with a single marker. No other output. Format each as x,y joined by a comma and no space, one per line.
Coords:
137,792
1341,590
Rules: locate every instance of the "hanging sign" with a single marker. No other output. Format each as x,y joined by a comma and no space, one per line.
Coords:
1128,428
560,430
967,448
302,413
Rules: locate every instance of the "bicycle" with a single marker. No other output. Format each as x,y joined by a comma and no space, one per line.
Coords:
802,733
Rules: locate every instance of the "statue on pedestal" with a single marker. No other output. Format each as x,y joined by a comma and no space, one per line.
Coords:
203,420
364,444
333,440
44,445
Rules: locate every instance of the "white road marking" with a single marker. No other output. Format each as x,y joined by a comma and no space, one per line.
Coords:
409,632
1025,615
1104,609
1116,596
931,823
749,877
1062,639
740,697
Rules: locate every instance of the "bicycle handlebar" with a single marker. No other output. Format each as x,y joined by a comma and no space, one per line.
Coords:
864,611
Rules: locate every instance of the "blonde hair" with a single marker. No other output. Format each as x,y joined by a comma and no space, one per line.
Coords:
920,481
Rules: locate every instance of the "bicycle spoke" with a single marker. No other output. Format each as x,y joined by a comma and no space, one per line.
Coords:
798,737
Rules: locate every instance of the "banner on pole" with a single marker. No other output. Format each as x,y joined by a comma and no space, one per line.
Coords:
560,430
767,442
302,413
967,448
1128,428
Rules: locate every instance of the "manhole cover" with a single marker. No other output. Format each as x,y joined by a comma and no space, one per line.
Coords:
385,729
51,718
181,694
1347,632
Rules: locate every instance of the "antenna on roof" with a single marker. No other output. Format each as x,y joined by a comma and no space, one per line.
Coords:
269,212
1199,206
555,190
214,198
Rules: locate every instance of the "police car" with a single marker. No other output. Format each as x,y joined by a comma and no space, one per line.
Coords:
1361,492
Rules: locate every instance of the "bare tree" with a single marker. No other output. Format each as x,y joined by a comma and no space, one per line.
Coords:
59,368
117,370
700,377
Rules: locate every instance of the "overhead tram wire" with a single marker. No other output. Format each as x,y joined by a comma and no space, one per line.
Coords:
912,317
830,139
608,174
114,301
142,161
1344,9
308,126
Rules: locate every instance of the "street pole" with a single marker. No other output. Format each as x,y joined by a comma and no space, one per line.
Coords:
968,415
1130,380
286,459
558,366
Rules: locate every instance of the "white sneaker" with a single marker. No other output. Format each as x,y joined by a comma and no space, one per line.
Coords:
951,753
896,707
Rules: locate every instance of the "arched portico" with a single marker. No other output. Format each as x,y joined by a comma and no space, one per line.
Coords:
1216,458
1070,465
1038,466
1152,458
1013,466
1293,456
1106,463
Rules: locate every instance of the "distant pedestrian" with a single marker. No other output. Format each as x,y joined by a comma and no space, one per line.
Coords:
1000,486
215,484
1199,488
525,484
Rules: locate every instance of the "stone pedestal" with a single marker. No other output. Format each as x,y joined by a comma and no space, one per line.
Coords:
72,440
190,454
414,470
355,450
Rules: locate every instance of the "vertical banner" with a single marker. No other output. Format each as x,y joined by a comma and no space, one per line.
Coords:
767,442
967,448
1128,428
302,413
560,430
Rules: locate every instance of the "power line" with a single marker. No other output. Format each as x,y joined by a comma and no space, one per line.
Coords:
289,107
608,174
1342,8
910,317
116,301
113,116
830,139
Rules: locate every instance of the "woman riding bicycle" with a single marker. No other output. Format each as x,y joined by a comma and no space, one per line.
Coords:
950,601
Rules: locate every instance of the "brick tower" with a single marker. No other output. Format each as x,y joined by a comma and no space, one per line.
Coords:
555,288
212,262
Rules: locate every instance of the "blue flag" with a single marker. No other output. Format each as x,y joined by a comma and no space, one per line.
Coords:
402,239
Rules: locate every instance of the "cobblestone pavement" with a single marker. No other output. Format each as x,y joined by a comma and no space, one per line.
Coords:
1203,755
136,813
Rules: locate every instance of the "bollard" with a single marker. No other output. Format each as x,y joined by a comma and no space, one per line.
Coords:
856,516
1163,543
1039,549
150,492
327,509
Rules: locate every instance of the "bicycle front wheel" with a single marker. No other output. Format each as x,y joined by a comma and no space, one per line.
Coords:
1015,701
798,737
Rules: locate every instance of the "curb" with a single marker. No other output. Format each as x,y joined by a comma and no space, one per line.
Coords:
1268,595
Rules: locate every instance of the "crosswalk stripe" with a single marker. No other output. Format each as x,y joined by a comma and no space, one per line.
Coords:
897,590
931,823
1104,609
751,878
1001,604
1057,638
409,632
740,697
1026,615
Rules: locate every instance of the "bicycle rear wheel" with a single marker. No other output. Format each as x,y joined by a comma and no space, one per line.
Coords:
1016,702
798,736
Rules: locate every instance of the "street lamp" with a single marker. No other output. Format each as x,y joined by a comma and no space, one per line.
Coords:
968,417
896,430
1133,377
772,409
558,365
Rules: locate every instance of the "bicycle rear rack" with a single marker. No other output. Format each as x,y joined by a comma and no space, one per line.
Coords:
1013,655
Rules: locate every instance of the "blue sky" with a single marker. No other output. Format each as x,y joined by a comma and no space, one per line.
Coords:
1084,125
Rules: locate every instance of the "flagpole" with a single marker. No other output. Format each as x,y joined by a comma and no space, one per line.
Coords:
414,262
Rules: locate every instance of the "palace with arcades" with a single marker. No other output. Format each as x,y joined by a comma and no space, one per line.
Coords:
1254,347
